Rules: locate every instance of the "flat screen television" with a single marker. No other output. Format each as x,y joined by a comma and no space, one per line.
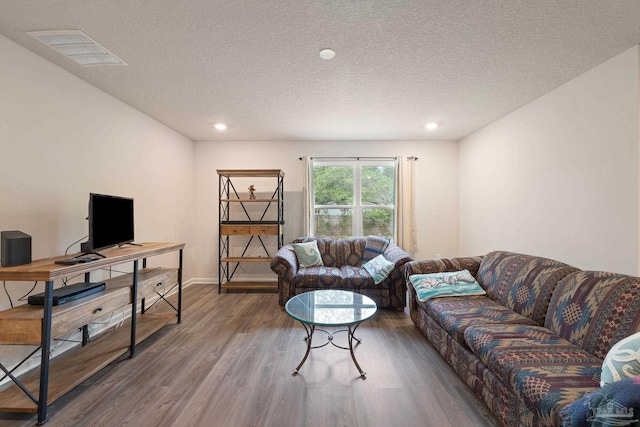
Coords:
110,222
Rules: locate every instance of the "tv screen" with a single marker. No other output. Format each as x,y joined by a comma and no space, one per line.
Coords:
110,221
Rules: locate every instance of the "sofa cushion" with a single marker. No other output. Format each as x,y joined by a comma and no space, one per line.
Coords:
379,268
375,245
456,314
441,265
357,277
594,310
322,277
502,402
622,361
328,248
307,254
351,251
544,370
523,283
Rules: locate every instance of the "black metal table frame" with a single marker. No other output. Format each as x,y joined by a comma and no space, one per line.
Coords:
351,329
45,341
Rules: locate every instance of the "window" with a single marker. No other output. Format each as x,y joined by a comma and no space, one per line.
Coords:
353,197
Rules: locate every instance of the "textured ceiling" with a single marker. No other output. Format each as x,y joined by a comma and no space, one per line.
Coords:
399,64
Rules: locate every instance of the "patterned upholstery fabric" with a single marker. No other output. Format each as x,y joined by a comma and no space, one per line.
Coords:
523,283
342,269
443,265
357,277
374,246
351,251
327,247
456,314
524,372
318,277
544,370
286,263
594,310
484,383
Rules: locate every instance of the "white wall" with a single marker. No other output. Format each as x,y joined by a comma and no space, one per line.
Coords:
437,195
559,176
61,139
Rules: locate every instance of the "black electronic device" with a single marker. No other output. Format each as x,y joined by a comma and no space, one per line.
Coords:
69,293
15,248
76,260
67,261
110,222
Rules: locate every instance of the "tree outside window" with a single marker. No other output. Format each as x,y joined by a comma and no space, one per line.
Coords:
354,198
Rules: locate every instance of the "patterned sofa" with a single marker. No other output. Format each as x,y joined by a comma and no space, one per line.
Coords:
537,340
342,259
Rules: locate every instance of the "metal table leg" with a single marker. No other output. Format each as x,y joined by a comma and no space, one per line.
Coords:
353,356
134,309
45,344
309,329
180,288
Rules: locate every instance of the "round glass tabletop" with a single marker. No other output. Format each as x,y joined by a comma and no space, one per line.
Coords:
331,307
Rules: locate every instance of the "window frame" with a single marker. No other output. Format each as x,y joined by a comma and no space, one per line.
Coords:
358,208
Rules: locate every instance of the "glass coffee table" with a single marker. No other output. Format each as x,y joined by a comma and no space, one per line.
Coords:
331,308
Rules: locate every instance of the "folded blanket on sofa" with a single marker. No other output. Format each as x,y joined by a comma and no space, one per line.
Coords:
449,284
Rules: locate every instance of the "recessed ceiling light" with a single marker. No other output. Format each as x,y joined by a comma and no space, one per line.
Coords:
327,54
431,126
77,46
220,126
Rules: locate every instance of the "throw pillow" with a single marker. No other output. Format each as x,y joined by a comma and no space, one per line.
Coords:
379,268
308,254
615,404
375,246
449,284
622,361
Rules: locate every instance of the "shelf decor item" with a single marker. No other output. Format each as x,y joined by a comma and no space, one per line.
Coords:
251,229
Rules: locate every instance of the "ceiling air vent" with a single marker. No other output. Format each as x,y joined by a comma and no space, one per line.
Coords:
77,46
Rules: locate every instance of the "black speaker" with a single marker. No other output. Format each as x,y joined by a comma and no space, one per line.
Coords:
16,248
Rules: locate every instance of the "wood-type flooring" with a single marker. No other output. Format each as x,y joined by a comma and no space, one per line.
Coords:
230,363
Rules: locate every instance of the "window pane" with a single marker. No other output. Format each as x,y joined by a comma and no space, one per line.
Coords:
333,185
377,222
378,184
333,222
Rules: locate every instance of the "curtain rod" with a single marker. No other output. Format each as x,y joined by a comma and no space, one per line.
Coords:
357,158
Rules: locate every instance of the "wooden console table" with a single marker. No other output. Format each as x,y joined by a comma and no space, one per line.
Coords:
38,325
